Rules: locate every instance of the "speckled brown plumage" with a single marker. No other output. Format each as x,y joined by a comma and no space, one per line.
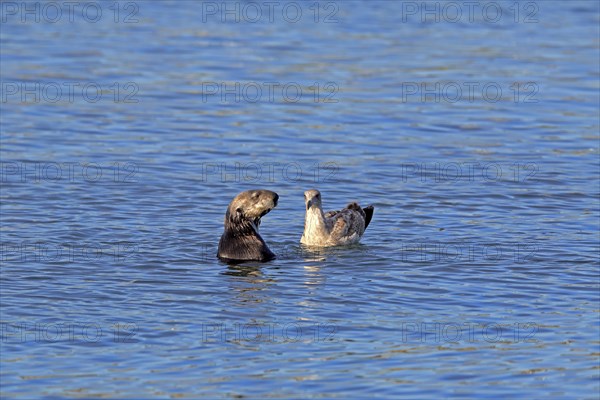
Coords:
333,228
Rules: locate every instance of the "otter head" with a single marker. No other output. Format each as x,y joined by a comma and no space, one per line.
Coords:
312,198
252,205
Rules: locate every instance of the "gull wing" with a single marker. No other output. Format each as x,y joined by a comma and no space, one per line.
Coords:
330,214
347,224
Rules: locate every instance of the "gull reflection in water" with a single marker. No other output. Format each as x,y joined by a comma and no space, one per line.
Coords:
313,257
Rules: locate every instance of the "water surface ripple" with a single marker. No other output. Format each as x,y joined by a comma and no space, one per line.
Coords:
478,276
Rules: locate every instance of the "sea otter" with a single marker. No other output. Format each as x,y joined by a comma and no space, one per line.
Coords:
240,240
333,228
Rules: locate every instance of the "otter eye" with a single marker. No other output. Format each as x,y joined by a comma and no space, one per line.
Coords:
254,195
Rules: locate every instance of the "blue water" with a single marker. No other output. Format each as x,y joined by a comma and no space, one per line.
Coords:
123,141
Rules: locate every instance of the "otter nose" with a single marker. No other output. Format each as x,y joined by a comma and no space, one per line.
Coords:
276,199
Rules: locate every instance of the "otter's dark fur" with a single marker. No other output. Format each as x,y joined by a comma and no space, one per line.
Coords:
240,240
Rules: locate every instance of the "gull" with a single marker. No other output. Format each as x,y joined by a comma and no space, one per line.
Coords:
334,228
